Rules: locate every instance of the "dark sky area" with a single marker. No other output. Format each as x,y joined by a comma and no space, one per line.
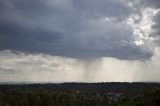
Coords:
77,28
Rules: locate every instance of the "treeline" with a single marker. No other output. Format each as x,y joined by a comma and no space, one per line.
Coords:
80,86
39,95
42,97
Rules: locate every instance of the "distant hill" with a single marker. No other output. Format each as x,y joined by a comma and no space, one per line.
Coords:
86,86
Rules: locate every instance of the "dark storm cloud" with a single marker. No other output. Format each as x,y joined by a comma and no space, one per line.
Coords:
151,3
102,8
76,29
18,38
156,31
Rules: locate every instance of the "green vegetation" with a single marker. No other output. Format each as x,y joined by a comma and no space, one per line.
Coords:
39,96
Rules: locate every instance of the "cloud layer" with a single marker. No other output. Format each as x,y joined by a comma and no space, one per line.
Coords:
80,29
79,40
45,68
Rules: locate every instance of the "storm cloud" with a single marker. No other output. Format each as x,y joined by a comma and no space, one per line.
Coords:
77,29
79,40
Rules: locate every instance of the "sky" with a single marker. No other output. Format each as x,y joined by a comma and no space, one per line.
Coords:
79,41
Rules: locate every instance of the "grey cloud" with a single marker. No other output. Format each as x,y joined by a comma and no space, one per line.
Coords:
5,70
18,38
156,34
46,68
77,29
103,8
156,20
152,3
156,26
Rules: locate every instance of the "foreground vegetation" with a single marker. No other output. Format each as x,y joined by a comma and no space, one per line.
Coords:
80,94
